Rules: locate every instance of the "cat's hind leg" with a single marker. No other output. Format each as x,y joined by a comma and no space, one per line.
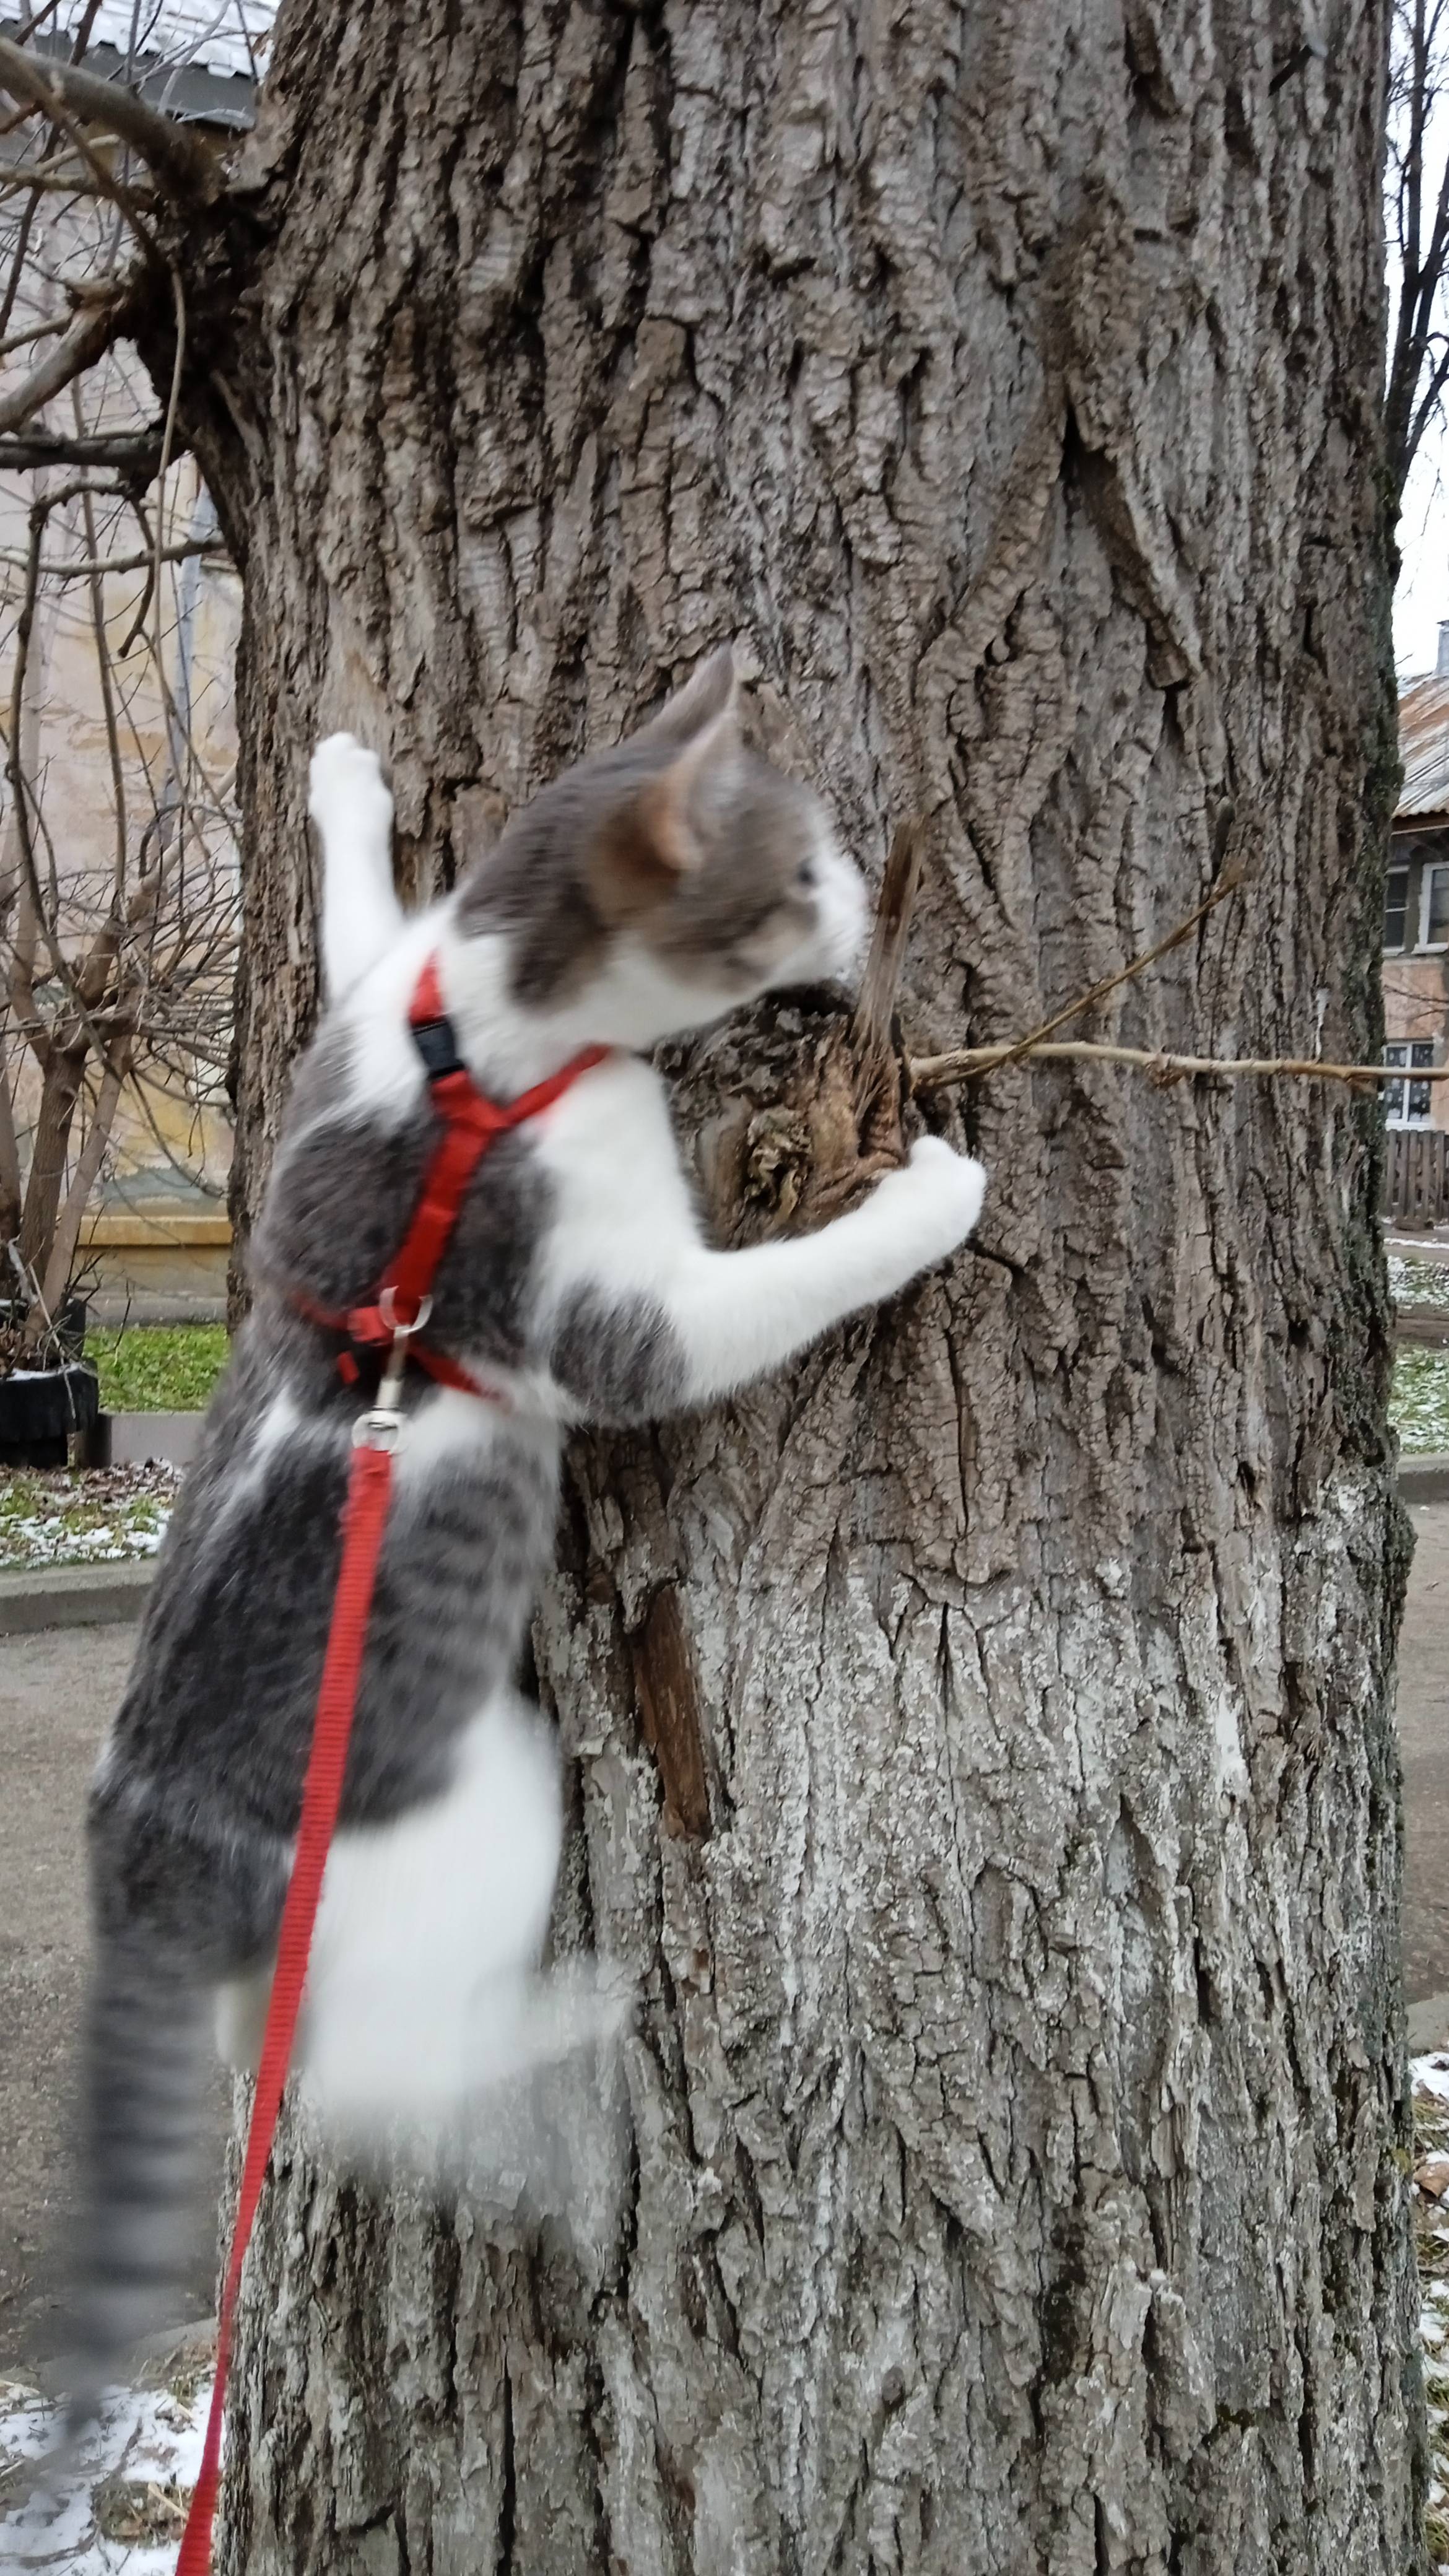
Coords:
422,1994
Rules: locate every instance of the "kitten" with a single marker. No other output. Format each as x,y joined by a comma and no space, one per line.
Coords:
645,892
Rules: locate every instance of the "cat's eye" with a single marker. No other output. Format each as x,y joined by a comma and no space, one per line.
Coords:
806,873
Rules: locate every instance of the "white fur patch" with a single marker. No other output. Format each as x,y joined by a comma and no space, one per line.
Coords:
427,1934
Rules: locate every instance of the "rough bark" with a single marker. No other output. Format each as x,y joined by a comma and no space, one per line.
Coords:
979,1739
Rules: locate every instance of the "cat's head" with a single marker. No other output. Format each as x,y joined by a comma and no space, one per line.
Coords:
657,885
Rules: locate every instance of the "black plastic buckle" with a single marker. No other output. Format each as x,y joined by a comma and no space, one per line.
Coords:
438,1047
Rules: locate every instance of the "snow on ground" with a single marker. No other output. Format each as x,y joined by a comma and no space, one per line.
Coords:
1431,2227
1417,1283
1419,1402
83,1515
123,2498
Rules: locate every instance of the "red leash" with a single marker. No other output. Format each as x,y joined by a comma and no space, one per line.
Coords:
470,1124
368,1494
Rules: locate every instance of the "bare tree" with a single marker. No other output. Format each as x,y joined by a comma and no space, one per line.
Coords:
1417,210
982,1759
117,934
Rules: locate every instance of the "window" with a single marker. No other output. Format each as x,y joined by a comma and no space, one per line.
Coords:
1396,907
1413,1110
1434,909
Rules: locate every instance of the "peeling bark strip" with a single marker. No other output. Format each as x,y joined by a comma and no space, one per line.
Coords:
665,1680
1016,2093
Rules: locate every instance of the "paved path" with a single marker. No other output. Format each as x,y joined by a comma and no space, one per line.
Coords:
56,1690
1423,1710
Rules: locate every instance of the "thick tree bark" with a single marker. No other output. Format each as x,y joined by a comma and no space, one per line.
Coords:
981,1742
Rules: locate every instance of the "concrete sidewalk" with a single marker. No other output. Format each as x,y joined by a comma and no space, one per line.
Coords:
57,1691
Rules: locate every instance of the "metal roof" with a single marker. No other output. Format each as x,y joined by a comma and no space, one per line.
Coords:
209,35
1424,748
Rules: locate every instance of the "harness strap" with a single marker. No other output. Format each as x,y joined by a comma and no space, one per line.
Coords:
367,1328
471,1122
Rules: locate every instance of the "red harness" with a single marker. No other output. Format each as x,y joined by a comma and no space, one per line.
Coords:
471,1123
389,1326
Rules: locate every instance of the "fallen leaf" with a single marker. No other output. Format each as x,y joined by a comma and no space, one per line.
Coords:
140,2509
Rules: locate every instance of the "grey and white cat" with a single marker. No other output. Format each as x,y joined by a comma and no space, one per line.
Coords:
646,892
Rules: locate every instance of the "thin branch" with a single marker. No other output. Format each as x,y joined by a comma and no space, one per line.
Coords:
1016,1048
79,42
106,183
168,430
37,331
967,1064
86,568
135,452
175,157
104,675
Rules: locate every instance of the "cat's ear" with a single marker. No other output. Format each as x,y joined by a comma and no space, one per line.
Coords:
706,699
648,843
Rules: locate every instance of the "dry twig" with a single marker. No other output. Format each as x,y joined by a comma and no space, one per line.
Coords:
965,1064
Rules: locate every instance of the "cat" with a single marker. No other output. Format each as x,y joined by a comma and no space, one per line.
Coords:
646,892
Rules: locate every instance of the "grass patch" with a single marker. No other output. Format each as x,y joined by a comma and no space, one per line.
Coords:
1418,1283
1419,1402
157,1368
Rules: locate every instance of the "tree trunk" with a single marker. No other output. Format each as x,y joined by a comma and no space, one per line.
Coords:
980,1738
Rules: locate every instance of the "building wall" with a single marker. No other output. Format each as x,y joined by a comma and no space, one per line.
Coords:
1415,975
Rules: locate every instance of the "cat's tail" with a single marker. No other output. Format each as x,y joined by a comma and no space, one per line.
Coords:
142,2087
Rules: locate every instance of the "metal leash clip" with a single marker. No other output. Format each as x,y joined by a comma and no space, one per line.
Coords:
381,1425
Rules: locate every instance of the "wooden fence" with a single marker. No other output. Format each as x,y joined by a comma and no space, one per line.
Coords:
1416,1176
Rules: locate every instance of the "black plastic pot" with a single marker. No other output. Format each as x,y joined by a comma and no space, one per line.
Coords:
39,1410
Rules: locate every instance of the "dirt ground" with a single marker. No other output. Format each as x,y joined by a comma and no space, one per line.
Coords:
56,1691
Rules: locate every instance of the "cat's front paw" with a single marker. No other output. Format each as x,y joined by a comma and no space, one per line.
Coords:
935,1199
346,785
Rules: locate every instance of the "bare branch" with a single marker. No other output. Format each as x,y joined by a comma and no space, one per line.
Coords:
85,568
10,1184
88,337
1015,1048
967,1064
135,453
103,670
175,156
1420,266
85,1176
37,331
106,183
